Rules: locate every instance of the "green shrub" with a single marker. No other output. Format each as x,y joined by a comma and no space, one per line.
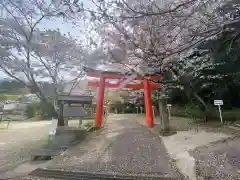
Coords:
46,111
196,113
187,112
30,111
17,112
87,123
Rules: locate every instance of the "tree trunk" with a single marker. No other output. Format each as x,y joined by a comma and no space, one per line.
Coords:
54,114
205,106
61,121
164,119
191,88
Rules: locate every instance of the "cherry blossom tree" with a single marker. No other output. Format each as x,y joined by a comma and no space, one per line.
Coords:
33,56
150,33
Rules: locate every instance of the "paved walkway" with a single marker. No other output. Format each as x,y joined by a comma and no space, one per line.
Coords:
123,147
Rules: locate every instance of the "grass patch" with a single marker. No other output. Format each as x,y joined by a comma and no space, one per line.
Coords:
4,96
4,125
86,123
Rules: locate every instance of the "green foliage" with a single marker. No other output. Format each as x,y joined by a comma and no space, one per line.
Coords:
196,113
3,97
210,72
87,123
124,107
30,111
46,111
10,86
9,96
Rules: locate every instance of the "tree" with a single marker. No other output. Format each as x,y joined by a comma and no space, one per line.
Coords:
32,56
154,31
11,86
157,37
210,71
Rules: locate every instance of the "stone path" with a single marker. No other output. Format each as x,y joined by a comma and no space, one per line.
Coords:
123,147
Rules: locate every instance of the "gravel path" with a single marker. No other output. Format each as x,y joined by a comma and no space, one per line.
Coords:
219,161
124,147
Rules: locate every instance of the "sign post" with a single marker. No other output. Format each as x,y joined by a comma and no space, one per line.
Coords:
137,109
219,103
153,110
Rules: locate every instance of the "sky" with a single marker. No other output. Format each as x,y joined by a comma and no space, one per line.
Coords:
64,27
60,24
78,32
56,24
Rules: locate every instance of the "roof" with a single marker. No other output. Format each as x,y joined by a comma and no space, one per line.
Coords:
79,88
75,99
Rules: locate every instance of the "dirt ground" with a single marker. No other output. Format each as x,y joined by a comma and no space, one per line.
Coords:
17,144
214,160
218,161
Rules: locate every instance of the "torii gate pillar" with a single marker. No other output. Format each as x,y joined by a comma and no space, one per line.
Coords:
147,98
100,100
148,103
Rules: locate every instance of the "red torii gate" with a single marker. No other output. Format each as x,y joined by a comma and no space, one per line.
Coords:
101,84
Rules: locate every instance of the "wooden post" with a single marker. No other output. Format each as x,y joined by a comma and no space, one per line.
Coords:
148,103
60,116
80,122
100,99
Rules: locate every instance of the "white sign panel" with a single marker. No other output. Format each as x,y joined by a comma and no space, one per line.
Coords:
218,102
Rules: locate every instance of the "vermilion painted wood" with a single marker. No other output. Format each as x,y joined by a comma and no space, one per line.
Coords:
132,86
100,100
119,76
148,103
102,84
